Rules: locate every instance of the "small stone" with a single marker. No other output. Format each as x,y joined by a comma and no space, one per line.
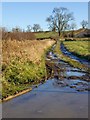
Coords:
78,83
87,88
36,86
80,89
72,86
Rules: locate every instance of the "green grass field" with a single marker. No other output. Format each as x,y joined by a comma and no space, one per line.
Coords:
79,48
67,59
45,34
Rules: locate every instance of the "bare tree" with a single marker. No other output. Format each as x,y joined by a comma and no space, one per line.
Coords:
3,29
3,32
60,19
16,29
52,23
73,27
84,24
36,27
29,28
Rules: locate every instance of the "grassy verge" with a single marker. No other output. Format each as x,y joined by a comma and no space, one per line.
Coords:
23,69
79,48
72,62
19,76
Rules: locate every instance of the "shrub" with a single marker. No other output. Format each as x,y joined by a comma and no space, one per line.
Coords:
18,36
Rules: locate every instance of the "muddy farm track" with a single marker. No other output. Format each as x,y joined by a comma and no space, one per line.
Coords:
63,95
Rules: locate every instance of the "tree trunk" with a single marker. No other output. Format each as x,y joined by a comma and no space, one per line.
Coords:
59,33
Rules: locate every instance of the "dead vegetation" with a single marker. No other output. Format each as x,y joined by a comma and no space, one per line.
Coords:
25,50
18,35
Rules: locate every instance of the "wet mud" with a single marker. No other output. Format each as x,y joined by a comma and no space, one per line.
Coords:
63,95
66,75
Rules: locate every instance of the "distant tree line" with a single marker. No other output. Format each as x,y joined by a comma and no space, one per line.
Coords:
60,20
34,28
20,34
16,34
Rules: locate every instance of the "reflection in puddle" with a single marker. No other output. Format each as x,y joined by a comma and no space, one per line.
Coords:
70,73
66,77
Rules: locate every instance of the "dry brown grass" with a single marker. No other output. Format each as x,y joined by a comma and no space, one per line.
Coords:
25,50
18,35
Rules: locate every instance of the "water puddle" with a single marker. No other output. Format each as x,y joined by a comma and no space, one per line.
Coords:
74,73
57,97
66,78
